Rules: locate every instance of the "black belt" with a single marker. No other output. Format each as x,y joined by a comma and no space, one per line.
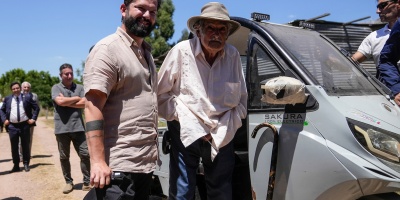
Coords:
19,122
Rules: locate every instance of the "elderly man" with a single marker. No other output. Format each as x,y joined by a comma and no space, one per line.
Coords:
202,94
372,45
26,89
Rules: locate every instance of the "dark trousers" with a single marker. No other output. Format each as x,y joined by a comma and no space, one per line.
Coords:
132,186
78,139
184,163
1,126
18,131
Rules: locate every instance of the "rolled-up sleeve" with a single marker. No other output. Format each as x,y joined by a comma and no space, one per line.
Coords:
100,71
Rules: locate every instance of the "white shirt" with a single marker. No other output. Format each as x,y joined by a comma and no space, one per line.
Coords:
372,45
203,98
13,114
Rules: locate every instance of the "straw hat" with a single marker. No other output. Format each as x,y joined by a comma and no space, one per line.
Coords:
213,11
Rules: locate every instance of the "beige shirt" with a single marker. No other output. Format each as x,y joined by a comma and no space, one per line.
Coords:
203,98
130,112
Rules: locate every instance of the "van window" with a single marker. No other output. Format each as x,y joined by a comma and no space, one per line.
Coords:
333,71
262,67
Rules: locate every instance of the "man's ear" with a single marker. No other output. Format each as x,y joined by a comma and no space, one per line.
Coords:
122,8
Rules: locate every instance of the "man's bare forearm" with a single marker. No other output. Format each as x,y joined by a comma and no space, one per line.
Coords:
94,103
67,101
79,104
95,140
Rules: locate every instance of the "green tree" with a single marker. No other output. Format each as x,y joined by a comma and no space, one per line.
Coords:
185,35
79,73
41,83
164,29
9,77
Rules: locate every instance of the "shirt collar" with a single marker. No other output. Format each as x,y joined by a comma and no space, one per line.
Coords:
73,85
19,96
386,28
129,41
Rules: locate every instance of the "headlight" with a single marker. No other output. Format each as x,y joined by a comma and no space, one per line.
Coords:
379,142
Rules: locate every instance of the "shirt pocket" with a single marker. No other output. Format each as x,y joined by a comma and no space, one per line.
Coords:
232,94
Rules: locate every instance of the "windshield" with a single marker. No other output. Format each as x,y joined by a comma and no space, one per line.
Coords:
333,71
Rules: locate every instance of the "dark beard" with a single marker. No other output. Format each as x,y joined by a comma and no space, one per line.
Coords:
132,25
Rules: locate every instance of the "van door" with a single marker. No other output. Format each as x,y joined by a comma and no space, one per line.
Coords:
262,64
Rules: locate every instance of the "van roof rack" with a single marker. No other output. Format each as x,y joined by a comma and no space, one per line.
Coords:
258,17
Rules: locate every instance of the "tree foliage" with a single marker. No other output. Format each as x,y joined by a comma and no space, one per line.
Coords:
164,29
41,83
185,35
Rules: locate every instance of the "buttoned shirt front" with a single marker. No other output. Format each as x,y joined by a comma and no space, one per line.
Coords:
204,99
128,77
372,45
13,114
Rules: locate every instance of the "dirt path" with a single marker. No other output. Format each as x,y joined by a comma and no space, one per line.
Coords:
45,180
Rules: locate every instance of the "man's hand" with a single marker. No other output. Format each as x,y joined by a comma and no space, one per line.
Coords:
31,121
6,123
100,174
397,99
207,138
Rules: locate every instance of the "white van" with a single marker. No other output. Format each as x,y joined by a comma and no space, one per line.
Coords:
342,142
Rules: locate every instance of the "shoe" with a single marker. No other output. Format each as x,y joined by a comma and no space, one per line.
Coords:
26,168
68,188
86,187
15,169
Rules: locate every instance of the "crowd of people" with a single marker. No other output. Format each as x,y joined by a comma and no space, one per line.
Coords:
123,96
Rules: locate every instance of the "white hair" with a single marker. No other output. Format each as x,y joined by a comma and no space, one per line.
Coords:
26,83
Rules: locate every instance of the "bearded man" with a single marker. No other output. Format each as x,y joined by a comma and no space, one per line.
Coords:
120,82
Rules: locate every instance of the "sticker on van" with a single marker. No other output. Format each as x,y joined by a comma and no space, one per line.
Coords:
286,118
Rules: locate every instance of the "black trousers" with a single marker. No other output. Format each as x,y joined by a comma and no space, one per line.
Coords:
18,131
132,186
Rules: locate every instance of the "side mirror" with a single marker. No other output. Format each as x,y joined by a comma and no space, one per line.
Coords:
283,90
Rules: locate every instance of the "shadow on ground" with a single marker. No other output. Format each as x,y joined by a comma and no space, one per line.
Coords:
30,166
12,198
42,156
5,160
35,156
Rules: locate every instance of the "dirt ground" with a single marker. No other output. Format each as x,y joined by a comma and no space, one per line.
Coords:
45,179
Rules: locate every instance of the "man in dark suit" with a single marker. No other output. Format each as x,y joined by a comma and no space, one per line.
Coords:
19,112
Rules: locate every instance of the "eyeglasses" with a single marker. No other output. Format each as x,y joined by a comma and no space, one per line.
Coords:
383,5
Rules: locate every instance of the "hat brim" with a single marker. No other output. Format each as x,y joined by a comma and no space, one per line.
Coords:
190,23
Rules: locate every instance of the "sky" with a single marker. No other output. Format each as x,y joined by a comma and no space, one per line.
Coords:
42,35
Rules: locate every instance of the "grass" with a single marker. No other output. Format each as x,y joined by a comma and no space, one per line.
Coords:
49,122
